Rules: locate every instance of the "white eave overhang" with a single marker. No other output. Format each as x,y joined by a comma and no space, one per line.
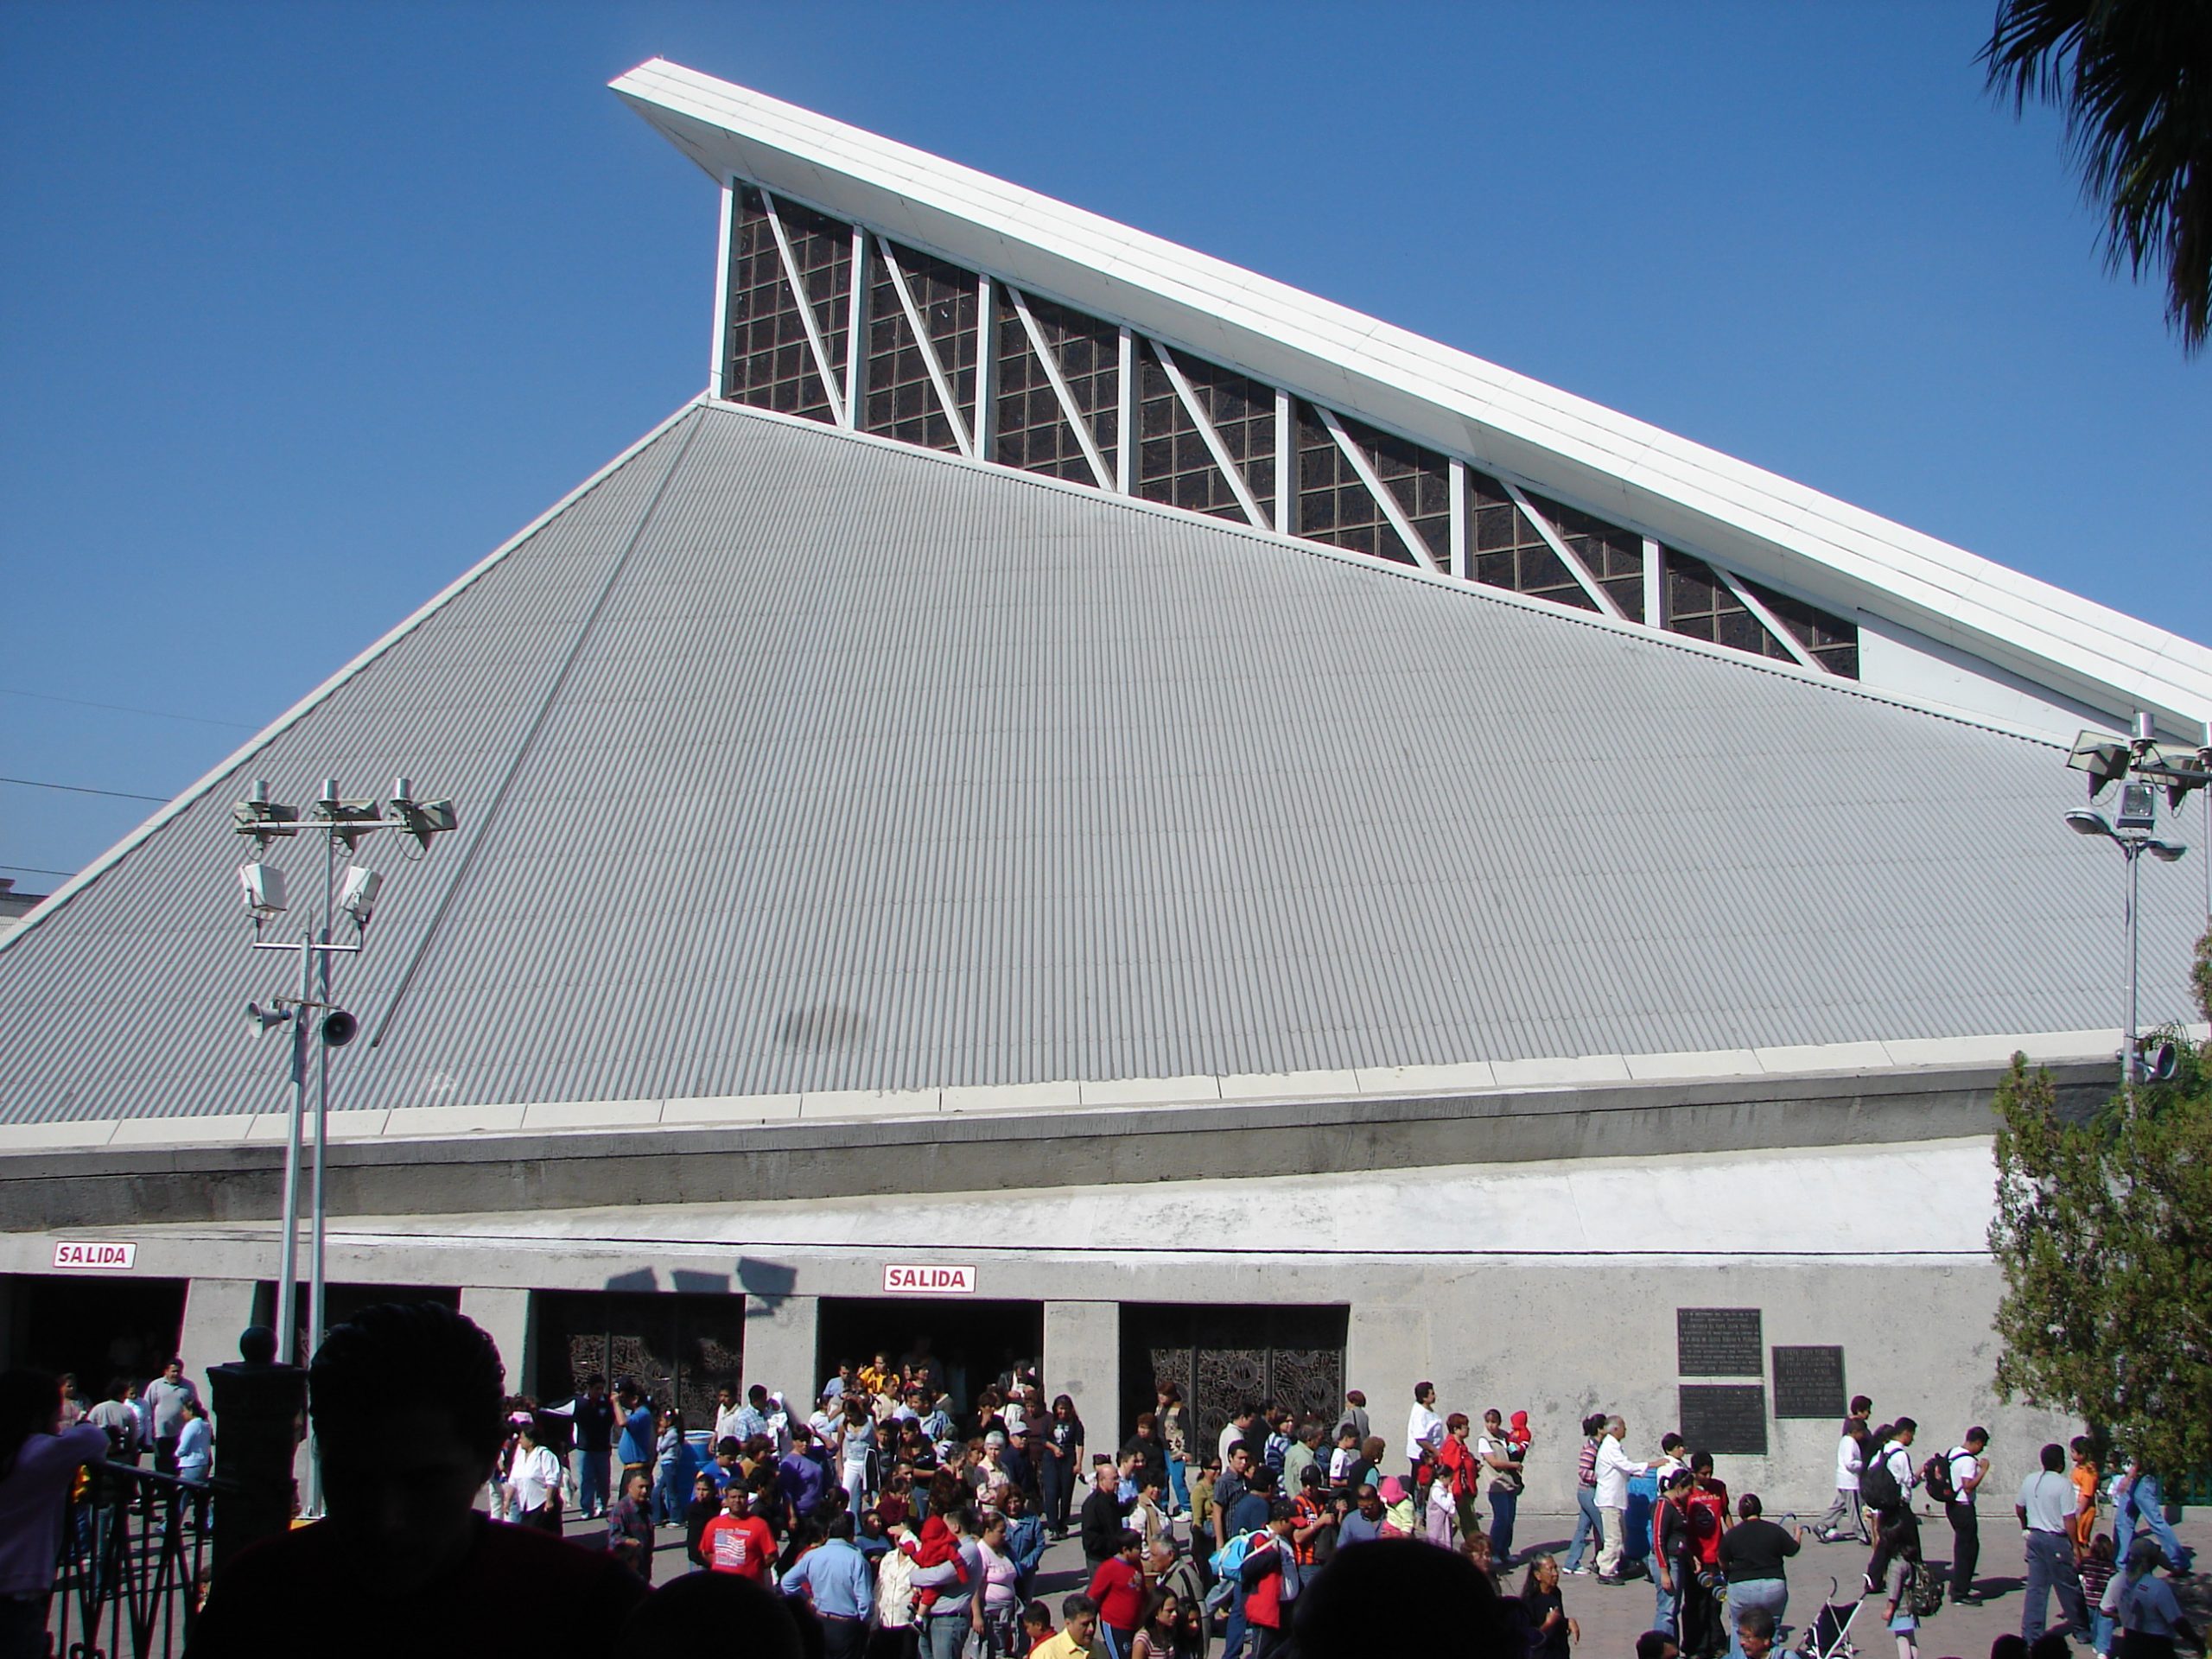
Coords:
1613,466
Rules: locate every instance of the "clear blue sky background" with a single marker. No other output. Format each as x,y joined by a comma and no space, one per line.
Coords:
304,307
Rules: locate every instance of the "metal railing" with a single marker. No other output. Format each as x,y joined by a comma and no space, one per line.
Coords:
135,1548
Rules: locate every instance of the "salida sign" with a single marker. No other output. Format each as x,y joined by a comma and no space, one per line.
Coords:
97,1255
918,1279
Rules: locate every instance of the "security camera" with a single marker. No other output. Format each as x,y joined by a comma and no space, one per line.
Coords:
358,897
263,888
338,1028
262,1019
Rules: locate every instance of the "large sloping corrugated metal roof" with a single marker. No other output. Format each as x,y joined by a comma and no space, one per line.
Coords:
793,761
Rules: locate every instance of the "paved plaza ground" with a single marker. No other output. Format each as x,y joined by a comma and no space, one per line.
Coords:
1611,1619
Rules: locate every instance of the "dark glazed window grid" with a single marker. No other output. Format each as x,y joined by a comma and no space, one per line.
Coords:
902,403
1505,551
1174,465
821,247
1700,605
1613,556
1033,430
1334,506
1827,639
769,362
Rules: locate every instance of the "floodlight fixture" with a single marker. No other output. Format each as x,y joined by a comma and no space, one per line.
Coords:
422,819
2165,851
348,820
262,886
262,1019
2138,807
357,896
2104,757
2089,824
264,819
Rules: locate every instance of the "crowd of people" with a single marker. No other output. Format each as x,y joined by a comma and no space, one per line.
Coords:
896,1519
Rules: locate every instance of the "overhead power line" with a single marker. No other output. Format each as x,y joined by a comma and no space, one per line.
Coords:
35,869
124,708
80,789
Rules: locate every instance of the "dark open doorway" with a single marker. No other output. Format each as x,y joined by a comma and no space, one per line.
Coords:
97,1328
969,1344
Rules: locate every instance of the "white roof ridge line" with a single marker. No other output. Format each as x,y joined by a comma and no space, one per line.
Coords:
1551,610
1924,576
191,794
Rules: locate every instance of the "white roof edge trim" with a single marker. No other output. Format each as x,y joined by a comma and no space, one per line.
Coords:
275,729
1558,1075
1932,586
1663,638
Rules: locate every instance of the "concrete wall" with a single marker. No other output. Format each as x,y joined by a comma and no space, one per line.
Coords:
505,1314
114,1186
1557,1339
216,1312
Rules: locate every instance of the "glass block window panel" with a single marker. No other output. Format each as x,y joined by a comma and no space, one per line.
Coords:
1334,506
821,247
1829,639
1700,605
1613,556
901,402
1033,430
768,362
1174,463
1506,550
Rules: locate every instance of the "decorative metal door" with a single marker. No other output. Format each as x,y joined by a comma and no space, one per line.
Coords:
1223,1358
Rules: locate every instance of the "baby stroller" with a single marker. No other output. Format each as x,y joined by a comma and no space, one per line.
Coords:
1828,1635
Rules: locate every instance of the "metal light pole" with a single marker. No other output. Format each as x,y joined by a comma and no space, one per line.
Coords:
349,822
2138,813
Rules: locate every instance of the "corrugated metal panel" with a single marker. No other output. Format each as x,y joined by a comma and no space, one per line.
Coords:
876,770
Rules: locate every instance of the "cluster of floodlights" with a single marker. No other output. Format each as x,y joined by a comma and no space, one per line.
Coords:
261,885
2141,766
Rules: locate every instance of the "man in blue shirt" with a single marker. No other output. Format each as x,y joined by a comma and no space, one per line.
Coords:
835,1577
753,1415
635,1449
802,1478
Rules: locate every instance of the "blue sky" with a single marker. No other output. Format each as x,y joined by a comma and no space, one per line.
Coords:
303,308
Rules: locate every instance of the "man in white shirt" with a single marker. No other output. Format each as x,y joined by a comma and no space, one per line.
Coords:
1614,1468
2047,1503
1968,1467
1846,1517
727,1415
1424,1431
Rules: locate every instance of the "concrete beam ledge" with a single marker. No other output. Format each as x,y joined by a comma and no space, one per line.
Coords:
503,1166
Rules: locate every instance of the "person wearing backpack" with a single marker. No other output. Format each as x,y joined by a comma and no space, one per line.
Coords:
1952,1480
1885,1487
1270,1575
1902,1614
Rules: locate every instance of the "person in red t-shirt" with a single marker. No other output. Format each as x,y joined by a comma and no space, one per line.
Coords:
1121,1589
736,1541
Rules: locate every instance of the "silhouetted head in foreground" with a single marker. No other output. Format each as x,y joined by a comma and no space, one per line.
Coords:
715,1613
1402,1595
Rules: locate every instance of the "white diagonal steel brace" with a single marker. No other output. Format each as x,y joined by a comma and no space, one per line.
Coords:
945,399
1230,469
1773,624
797,283
1074,416
1582,574
1392,509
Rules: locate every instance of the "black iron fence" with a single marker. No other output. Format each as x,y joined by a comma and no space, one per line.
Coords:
135,1555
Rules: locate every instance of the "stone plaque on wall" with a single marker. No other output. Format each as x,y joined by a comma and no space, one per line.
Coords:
1719,1341
1808,1383
1726,1419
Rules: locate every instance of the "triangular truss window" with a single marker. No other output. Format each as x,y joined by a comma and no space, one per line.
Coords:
1613,557
1077,372
1830,640
769,361
1506,549
1341,463
921,389
1208,443
1702,605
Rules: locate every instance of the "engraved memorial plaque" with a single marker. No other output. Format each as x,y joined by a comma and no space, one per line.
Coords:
1726,1419
1808,1383
1719,1341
